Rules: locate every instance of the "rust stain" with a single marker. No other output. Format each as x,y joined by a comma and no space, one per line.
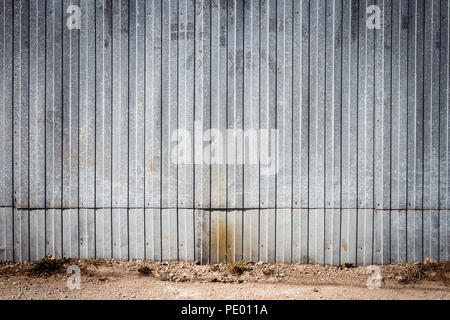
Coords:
218,237
222,240
230,241
344,245
154,165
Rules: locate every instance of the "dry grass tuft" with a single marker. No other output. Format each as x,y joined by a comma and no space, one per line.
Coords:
145,271
237,268
410,273
48,266
430,270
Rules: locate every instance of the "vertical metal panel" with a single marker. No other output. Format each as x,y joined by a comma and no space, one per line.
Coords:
70,140
235,121
349,131
103,127
317,131
20,123
120,137
333,132
86,128
218,109
251,217
251,102
382,146
202,172
186,91
6,131
431,109
37,105
444,134
91,166
152,172
415,130
399,130
284,125
54,125
136,128
300,130
267,117
6,114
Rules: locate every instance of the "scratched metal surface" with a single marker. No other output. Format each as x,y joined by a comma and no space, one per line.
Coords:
86,118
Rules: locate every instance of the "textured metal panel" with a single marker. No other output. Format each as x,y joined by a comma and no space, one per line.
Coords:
90,165
234,236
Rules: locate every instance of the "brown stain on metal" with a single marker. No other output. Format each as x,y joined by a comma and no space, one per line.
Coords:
154,165
218,237
230,240
223,239
344,245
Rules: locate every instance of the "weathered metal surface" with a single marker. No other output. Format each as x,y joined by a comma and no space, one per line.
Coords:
89,166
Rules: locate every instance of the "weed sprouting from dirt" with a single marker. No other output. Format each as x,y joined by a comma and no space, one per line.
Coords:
430,270
411,273
145,271
346,266
237,268
48,266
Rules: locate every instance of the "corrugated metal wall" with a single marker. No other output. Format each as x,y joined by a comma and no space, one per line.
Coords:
86,118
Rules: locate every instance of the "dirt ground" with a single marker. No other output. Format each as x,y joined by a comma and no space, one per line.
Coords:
109,279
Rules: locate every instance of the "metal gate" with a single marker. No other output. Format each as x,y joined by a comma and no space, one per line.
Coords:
105,147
